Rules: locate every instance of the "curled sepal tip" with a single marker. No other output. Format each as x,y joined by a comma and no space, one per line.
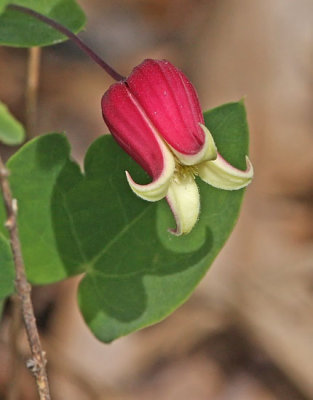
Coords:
184,201
222,175
158,188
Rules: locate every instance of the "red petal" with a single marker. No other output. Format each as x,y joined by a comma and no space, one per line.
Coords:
170,102
132,129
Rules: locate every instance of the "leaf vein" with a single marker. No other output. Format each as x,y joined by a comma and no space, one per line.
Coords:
119,234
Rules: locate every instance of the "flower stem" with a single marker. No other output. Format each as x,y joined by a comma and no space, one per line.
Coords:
55,25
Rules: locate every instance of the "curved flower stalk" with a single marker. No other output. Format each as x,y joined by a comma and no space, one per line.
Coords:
155,116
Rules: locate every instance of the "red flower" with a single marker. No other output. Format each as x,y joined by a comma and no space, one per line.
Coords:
155,116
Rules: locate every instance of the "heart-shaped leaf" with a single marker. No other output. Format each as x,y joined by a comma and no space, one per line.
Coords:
144,272
20,30
11,131
136,272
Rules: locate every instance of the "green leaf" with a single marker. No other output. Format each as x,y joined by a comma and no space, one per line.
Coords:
34,172
20,30
11,131
144,273
136,272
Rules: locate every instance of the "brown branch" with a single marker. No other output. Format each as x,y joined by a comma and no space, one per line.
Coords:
15,330
31,95
37,364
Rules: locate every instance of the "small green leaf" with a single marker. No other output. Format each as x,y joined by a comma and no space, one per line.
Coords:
11,131
20,30
45,158
34,170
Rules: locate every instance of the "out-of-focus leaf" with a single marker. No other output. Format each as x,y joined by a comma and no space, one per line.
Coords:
20,30
11,131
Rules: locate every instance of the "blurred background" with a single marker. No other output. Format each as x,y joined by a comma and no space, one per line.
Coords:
247,331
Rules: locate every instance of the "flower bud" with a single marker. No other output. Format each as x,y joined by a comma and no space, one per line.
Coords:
155,116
